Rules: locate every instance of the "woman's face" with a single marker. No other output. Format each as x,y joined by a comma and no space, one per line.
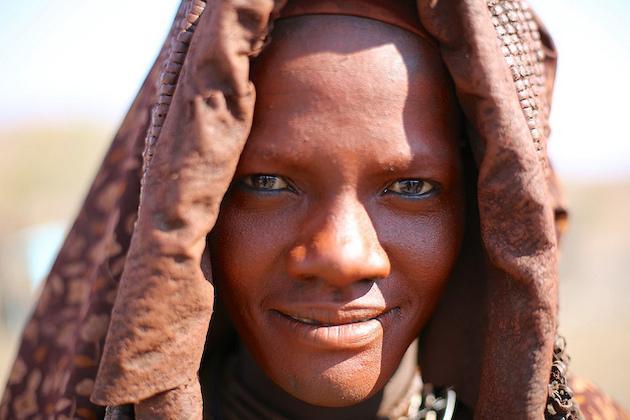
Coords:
346,212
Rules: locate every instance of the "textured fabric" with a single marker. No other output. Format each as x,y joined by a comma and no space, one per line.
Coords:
159,324
518,235
62,343
131,268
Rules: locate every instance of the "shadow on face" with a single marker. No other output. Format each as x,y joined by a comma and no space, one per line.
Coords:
345,216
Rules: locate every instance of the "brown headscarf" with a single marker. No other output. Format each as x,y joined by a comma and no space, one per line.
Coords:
128,294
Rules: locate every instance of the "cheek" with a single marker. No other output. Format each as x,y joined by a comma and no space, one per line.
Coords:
423,249
247,249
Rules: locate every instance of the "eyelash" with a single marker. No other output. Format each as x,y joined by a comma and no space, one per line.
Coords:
251,181
426,188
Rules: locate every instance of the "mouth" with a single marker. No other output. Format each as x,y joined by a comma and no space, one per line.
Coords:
334,330
319,323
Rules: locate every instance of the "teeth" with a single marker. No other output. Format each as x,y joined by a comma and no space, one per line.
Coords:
314,322
305,320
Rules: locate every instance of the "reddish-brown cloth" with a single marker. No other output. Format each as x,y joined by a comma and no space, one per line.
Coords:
125,312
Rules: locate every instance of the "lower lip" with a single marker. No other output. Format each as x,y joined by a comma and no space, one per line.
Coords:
334,337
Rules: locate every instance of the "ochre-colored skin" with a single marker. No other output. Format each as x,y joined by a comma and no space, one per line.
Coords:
351,107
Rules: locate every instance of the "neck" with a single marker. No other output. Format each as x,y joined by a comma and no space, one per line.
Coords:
254,380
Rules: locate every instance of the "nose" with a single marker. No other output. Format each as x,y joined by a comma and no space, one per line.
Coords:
339,246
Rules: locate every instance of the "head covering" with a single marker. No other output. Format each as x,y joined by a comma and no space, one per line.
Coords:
128,291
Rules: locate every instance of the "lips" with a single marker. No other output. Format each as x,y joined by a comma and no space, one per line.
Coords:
328,328
324,323
334,318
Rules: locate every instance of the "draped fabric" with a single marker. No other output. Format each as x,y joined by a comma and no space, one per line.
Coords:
125,312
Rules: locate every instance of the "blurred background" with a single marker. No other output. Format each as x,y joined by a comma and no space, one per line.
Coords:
69,70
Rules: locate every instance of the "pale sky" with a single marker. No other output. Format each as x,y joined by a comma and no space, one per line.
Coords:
69,59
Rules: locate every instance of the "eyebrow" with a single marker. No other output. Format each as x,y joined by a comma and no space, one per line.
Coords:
423,161
265,155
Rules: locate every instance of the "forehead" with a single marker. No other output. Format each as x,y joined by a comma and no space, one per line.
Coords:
339,49
326,81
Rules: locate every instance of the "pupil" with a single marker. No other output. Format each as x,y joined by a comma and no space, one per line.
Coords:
411,186
266,182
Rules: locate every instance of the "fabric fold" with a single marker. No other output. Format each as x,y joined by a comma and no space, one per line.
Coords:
135,252
160,319
500,87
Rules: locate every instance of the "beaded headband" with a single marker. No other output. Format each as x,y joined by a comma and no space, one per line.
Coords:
403,14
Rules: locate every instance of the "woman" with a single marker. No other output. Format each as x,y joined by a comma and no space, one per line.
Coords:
279,257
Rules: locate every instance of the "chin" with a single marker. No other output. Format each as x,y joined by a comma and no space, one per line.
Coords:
332,380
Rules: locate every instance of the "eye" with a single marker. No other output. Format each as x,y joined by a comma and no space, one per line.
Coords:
412,188
262,182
